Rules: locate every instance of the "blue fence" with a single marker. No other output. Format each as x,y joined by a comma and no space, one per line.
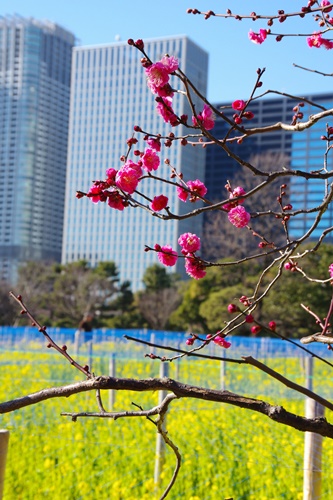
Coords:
262,347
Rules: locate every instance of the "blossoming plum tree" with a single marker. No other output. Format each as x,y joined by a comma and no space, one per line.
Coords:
121,190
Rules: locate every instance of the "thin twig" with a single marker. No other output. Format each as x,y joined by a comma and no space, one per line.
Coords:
42,329
292,385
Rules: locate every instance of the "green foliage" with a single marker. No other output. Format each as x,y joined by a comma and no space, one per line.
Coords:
204,303
60,295
156,278
283,303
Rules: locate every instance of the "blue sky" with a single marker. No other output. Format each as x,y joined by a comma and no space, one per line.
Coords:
233,58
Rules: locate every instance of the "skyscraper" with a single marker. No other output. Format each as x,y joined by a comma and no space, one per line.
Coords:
109,97
35,65
303,151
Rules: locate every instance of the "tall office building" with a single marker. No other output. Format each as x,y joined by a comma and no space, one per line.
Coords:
109,97
304,151
35,65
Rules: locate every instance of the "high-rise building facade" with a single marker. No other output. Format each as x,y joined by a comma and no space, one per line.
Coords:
35,68
109,97
303,151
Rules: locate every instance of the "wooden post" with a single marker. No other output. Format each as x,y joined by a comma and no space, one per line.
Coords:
177,364
222,372
160,444
112,373
90,350
312,443
77,338
4,438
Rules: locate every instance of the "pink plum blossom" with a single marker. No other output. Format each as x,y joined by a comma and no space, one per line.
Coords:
115,200
159,203
165,91
150,160
238,191
324,3
157,76
134,166
239,217
189,242
167,256
195,268
164,108
238,105
182,193
170,63
96,193
111,175
127,179
258,37
316,40
221,342
206,118
154,143
197,189
189,341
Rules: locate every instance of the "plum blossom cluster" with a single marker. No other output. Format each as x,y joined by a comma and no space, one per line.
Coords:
249,318
119,184
193,191
237,214
316,40
190,243
158,77
158,80
206,118
258,38
240,105
217,339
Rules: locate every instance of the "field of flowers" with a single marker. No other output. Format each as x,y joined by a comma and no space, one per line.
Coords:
227,452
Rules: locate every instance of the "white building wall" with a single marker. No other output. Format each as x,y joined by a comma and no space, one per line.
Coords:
109,96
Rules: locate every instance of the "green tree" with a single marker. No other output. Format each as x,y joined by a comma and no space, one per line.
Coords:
204,302
62,294
156,277
283,304
160,298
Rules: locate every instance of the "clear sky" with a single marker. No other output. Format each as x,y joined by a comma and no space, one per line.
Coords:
233,58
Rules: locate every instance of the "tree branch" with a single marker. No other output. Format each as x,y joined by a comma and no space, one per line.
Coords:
276,413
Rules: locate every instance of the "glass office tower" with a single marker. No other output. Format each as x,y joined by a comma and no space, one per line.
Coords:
109,96
302,150
35,65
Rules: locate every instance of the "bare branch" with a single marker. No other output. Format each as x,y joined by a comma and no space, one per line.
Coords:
276,413
289,383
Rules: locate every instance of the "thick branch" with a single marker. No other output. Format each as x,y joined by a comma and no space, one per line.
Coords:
276,413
